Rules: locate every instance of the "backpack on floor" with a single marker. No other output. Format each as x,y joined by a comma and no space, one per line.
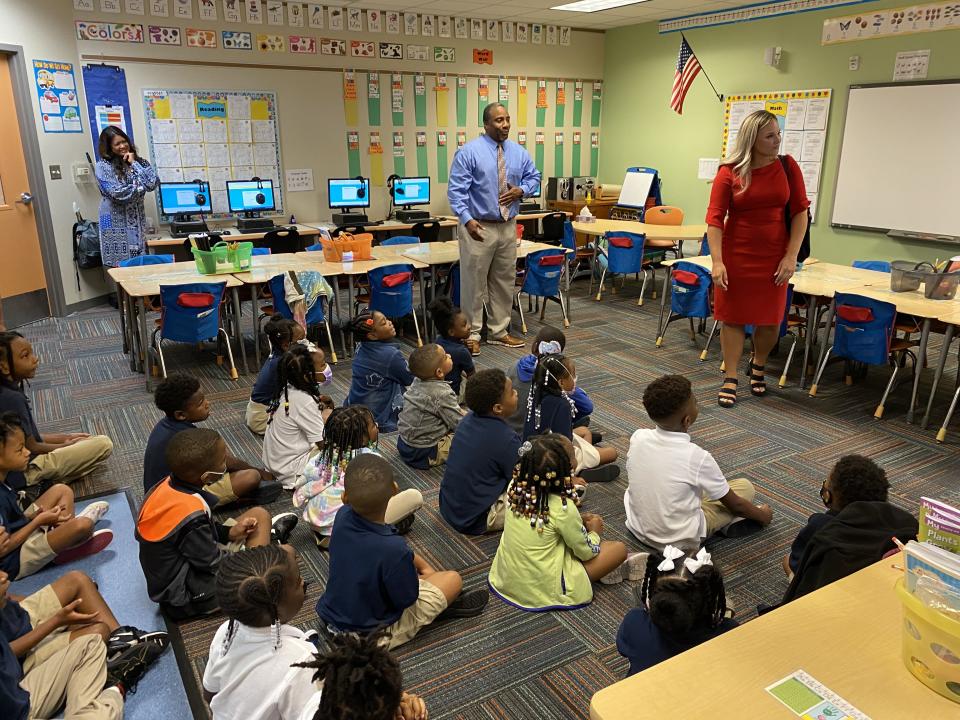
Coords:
86,246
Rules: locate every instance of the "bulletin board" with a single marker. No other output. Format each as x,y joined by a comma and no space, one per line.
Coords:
214,136
803,116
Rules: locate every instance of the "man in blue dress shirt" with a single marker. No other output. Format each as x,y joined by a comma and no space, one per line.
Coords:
488,178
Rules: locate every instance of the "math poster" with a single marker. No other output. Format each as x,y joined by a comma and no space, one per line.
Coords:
57,95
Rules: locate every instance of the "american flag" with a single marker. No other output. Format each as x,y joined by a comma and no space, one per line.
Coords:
687,68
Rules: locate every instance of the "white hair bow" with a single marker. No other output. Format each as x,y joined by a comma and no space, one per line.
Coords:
549,348
670,553
692,564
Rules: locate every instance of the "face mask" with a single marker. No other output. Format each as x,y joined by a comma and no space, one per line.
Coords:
327,375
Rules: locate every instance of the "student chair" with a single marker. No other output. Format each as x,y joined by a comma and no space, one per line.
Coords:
544,270
865,333
401,240
391,293
281,241
552,228
663,215
317,247
191,314
352,229
690,297
427,231
577,256
260,251
317,315
141,260
624,255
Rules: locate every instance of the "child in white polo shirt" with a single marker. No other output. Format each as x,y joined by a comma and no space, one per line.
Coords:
676,492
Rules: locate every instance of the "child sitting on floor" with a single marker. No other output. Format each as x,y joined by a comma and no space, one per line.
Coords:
375,580
551,409
380,372
549,341
47,531
453,335
57,668
676,493
360,679
281,333
473,491
183,404
55,457
682,604
297,414
252,669
430,411
349,431
549,555
180,544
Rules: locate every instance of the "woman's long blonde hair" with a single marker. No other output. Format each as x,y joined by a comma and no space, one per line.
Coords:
742,155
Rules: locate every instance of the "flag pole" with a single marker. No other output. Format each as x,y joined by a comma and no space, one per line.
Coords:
703,70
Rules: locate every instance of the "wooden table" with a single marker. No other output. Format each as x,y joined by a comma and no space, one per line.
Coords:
846,635
389,226
166,242
950,316
658,236
144,281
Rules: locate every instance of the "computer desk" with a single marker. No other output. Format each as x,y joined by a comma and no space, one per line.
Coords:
167,243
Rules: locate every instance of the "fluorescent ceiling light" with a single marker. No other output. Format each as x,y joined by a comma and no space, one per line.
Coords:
589,6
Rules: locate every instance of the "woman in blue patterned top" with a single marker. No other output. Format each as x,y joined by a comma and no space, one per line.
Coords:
124,178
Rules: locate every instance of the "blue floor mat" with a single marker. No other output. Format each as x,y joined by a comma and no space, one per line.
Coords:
117,572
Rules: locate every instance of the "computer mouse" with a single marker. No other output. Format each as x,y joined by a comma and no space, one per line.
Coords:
226,232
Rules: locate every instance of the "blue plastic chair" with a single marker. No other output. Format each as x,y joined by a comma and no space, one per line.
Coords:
878,265
182,321
624,255
690,289
396,301
140,260
260,251
864,333
314,248
544,270
316,315
576,256
401,240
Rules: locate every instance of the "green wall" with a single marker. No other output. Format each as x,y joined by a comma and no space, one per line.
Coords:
639,128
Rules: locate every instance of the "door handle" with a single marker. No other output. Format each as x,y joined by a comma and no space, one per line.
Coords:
25,198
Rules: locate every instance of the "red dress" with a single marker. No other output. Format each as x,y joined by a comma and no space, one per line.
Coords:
754,240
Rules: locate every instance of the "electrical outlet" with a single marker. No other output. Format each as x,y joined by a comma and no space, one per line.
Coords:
55,172
854,62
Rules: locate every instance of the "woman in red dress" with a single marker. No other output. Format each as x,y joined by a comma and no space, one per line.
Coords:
753,255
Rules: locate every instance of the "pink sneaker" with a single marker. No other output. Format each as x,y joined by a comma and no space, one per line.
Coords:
97,542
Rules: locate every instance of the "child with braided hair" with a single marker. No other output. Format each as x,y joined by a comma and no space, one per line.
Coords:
296,414
281,333
349,431
360,679
549,553
252,672
682,604
380,372
550,408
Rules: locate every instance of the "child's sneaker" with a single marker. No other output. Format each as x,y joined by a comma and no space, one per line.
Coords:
97,542
125,671
602,474
469,604
127,636
282,525
633,568
95,511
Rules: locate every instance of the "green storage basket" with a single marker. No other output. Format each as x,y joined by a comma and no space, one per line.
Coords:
223,258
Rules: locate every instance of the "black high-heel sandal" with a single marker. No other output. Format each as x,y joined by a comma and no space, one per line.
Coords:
727,397
758,382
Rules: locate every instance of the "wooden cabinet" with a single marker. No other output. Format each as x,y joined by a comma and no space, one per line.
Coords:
600,209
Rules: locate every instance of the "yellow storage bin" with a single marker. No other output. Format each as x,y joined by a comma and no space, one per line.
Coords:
931,645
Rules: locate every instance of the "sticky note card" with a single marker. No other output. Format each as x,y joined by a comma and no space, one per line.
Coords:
811,700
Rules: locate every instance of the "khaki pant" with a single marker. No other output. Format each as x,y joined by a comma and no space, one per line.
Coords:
443,450
40,606
497,515
716,512
587,455
404,504
35,553
488,271
257,417
71,462
430,603
73,675
223,489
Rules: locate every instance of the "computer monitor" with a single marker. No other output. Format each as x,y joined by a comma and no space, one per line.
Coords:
185,198
250,196
411,191
535,194
348,192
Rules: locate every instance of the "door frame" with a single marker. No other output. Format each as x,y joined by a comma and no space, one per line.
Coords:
23,100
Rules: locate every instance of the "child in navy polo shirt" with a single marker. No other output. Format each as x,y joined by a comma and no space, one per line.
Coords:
380,372
183,402
375,580
282,333
482,457
453,335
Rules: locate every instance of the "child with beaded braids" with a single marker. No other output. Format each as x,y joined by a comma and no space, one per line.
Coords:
252,672
360,679
296,414
549,554
682,604
380,372
551,409
349,431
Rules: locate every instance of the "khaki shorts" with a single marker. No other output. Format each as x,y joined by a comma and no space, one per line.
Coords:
41,606
232,546
430,603
587,455
443,450
257,417
498,513
222,489
35,553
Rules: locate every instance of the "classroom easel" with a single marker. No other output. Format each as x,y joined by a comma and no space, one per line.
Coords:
641,190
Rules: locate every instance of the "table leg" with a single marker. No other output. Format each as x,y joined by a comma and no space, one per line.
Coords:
254,312
808,340
121,308
144,340
663,303
238,331
947,339
130,333
335,286
924,339
566,282
423,306
826,332
593,263
350,307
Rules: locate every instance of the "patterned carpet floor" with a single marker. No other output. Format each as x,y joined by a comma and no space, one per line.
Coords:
506,663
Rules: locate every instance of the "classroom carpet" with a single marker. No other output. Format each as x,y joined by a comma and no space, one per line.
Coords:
507,663
116,570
